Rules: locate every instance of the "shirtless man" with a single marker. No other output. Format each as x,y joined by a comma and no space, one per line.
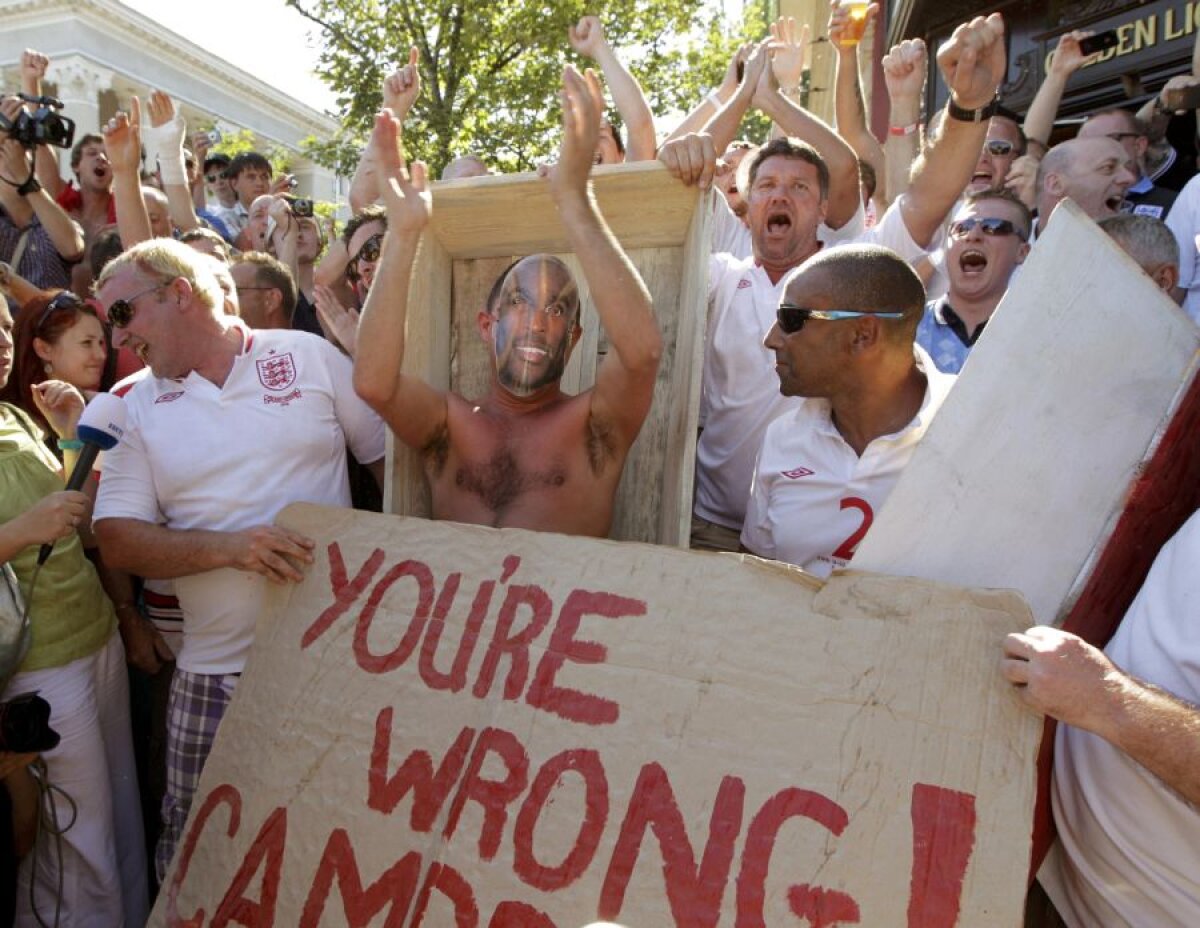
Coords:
526,454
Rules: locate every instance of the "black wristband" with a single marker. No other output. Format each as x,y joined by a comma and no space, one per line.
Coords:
983,114
30,186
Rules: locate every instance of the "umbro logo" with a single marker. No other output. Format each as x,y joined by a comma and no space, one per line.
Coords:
169,397
744,283
798,473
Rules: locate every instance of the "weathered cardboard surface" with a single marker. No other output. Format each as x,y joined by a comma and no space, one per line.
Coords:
738,678
1030,462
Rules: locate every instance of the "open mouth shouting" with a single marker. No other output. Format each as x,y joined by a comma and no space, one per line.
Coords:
779,223
972,262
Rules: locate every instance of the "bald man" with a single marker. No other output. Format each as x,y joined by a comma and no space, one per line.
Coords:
525,454
1094,172
844,341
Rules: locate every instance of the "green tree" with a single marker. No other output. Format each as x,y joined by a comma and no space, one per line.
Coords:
490,72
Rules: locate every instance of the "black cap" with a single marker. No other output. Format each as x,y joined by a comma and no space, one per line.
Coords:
216,158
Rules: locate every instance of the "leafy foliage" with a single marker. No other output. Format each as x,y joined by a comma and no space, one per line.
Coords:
491,72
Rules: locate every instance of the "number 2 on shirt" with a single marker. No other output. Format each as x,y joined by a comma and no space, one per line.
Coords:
846,549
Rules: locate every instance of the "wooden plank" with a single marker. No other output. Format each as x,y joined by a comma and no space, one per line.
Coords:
1024,472
513,213
675,515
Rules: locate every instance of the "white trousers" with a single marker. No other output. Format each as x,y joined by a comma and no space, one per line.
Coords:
103,850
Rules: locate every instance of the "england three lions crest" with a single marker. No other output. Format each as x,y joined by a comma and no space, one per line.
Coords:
277,372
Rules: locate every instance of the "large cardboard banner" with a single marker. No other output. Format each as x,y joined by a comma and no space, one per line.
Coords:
446,725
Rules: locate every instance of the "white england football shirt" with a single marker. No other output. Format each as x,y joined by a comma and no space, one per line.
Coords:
813,499
199,456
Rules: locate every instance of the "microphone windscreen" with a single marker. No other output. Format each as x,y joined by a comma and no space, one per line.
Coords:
103,421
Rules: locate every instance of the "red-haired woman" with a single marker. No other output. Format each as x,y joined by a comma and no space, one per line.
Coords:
57,337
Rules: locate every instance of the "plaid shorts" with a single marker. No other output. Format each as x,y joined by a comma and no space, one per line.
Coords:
198,702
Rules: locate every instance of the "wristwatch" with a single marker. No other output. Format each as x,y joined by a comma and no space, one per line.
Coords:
983,114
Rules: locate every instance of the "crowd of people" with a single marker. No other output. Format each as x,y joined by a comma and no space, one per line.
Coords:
259,359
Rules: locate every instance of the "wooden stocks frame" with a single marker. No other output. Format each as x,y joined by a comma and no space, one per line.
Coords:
479,226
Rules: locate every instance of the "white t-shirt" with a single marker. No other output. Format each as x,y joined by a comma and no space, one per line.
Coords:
198,456
739,389
1129,848
813,498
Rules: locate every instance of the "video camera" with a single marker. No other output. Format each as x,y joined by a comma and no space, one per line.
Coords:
25,725
44,126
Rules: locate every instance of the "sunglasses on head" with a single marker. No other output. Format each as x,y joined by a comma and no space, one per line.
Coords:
989,226
120,312
369,252
63,300
791,318
998,147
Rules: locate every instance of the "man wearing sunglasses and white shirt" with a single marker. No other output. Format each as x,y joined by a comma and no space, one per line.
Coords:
791,189
843,341
226,427
987,241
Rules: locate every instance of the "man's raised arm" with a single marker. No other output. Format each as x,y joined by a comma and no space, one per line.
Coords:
625,381
972,63
415,411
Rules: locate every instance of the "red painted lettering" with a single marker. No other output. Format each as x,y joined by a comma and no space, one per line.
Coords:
519,915
493,796
345,592
813,903
587,764
225,794
267,849
943,822
571,704
395,887
456,679
449,882
515,645
415,774
383,663
694,893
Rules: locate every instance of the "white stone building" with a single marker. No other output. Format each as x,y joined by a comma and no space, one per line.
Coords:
103,53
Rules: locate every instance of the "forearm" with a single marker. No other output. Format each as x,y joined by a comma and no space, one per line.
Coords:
631,104
1158,730
1039,121
724,124
133,223
64,233
850,111
332,268
20,289
46,167
838,155
181,207
161,553
622,301
380,344
700,115
941,176
900,151
14,538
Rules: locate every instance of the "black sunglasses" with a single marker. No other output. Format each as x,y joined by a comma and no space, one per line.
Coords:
791,318
65,299
369,252
998,147
213,178
120,312
989,226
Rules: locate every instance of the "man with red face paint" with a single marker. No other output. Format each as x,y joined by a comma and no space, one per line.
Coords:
526,454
